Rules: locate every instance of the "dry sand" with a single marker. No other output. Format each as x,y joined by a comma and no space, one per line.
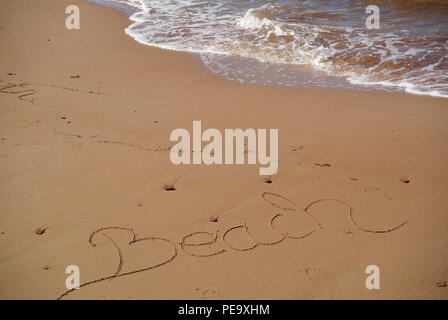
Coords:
90,152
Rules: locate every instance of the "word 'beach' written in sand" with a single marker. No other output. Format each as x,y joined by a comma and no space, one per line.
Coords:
298,223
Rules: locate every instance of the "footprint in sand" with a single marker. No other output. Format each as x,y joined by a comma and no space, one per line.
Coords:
169,187
210,294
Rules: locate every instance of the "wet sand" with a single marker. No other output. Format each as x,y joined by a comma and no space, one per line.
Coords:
85,122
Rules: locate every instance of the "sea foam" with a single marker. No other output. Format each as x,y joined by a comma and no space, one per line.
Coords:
279,35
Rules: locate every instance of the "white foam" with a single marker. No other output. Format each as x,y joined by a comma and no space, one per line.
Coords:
213,27
251,21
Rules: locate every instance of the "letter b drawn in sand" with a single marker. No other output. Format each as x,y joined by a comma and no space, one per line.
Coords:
73,280
373,280
73,21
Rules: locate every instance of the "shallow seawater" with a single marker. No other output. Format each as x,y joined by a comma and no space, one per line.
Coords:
319,43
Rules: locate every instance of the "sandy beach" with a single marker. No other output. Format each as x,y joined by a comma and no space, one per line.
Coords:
86,117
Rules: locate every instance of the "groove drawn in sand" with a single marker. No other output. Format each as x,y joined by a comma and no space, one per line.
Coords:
136,145
352,219
188,244
23,91
76,90
290,207
323,165
171,184
121,261
130,144
305,209
13,87
119,252
18,89
67,134
251,236
183,244
253,246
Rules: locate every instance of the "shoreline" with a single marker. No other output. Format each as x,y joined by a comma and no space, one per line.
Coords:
250,70
85,122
